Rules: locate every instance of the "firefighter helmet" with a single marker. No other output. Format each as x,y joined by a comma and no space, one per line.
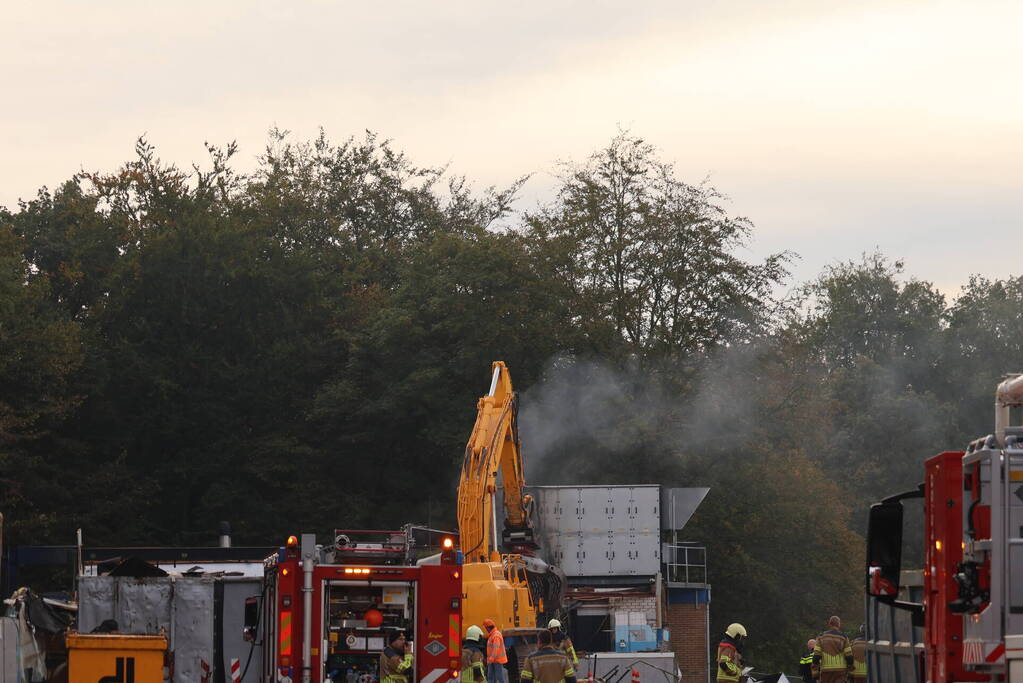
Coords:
736,631
474,633
554,623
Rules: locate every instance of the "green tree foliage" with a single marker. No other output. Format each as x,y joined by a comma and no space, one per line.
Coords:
41,349
877,342
648,259
863,310
301,347
984,341
782,555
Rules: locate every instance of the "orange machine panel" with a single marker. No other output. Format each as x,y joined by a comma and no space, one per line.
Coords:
115,657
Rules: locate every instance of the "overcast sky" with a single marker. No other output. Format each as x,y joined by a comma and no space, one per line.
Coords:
836,130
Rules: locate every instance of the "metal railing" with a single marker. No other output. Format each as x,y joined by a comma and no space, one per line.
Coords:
685,563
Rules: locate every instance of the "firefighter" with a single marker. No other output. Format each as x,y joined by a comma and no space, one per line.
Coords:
497,657
395,660
548,664
562,641
832,655
729,659
859,653
474,668
806,662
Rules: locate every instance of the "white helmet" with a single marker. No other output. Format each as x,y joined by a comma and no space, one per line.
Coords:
553,623
735,630
474,633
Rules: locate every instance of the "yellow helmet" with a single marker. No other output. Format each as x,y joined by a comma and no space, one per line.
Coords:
474,633
735,631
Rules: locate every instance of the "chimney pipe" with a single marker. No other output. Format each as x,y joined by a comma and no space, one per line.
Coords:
225,534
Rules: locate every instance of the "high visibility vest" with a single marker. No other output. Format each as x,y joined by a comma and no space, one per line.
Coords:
473,668
729,663
394,668
832,648
564,643
859,653
548,665
496,653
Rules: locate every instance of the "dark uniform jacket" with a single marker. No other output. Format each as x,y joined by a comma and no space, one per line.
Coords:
806,667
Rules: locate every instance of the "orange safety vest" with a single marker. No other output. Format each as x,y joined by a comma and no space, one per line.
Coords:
495,648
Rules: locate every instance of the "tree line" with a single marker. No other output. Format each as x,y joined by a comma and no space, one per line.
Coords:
301,347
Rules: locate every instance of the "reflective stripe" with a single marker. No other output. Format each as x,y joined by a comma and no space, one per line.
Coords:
833,640
832,662
729,672
474,674
495,648
859,650
432,676
726,669
453,630
285,631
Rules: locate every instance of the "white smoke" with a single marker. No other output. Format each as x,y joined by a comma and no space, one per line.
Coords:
668,411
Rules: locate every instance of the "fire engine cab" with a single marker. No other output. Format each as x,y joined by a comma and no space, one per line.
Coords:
329,612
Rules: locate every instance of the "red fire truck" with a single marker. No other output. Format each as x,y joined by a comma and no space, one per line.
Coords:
328,611
972,600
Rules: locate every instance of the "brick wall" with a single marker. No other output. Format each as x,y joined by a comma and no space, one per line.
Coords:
688,625
647,604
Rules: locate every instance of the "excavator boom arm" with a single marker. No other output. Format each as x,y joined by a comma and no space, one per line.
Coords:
493,446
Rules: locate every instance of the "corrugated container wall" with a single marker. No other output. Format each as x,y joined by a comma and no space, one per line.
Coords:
202,617
600,530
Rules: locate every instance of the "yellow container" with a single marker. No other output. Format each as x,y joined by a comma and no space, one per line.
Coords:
115,658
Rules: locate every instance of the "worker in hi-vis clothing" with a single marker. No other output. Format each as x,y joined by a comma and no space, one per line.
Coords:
548,664
833,654
474,667
561,641
497,656
395,660
859,652
806,662
729,667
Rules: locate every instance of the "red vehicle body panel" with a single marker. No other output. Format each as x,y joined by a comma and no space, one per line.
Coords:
438,592
943,528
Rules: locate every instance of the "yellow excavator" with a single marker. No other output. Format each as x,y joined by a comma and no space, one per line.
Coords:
513,588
